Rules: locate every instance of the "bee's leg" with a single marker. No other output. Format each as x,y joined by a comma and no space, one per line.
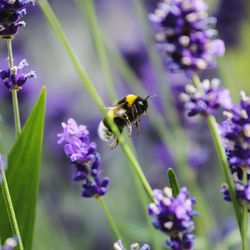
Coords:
129,126
113,144
137,124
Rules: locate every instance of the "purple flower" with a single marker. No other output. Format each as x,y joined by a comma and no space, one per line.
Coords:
11,12
235,132
242,192
14,78
83,155
10,243
174,217
135,246
205,102
184,35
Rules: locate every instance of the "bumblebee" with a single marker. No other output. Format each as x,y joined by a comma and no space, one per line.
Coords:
124,113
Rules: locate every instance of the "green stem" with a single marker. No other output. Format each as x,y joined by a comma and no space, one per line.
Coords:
5,188
110,219
14,91
10,210
16,112
171,142
89,10
221,155
244,220
10,54
157,65
48,12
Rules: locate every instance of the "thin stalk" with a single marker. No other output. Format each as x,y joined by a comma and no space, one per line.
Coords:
16,112
10,210
5,188
55,25
221,156
205,222
157,65
110,219
89,10
156,245
14,91
244,220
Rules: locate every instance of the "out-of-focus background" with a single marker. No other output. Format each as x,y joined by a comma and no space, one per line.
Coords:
66,221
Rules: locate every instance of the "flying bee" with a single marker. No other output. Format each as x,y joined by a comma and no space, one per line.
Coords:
126,111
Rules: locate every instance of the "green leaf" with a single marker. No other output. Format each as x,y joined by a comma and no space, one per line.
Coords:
173,182
23,173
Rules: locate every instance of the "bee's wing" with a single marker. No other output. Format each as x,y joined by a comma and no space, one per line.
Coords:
116,111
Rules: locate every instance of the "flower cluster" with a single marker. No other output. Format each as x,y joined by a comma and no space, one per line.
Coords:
14,78
184,35
83,155
235,132
204,102
10,244
242,192
174,217
135,246
11,12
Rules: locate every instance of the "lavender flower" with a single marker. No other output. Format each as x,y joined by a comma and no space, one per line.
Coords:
174,217
135,246
204,102
11,12
83,155
14,78
235,131
10,243
184,37
242,192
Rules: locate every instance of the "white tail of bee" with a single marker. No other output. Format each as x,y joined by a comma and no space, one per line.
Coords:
103,132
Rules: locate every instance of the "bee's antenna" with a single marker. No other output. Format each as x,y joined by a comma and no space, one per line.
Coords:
150,96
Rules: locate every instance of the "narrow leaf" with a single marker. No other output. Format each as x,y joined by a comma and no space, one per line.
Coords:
23,175
173,182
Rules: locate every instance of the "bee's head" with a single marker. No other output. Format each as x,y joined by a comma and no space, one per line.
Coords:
141,105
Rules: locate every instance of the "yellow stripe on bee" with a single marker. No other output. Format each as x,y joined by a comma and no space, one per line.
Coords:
130,99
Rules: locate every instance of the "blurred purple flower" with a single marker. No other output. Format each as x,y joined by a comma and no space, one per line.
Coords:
135,246
174,217
230,15
11,12
176,90
10,243
198,155
184,37
83,155
14,78
205,102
